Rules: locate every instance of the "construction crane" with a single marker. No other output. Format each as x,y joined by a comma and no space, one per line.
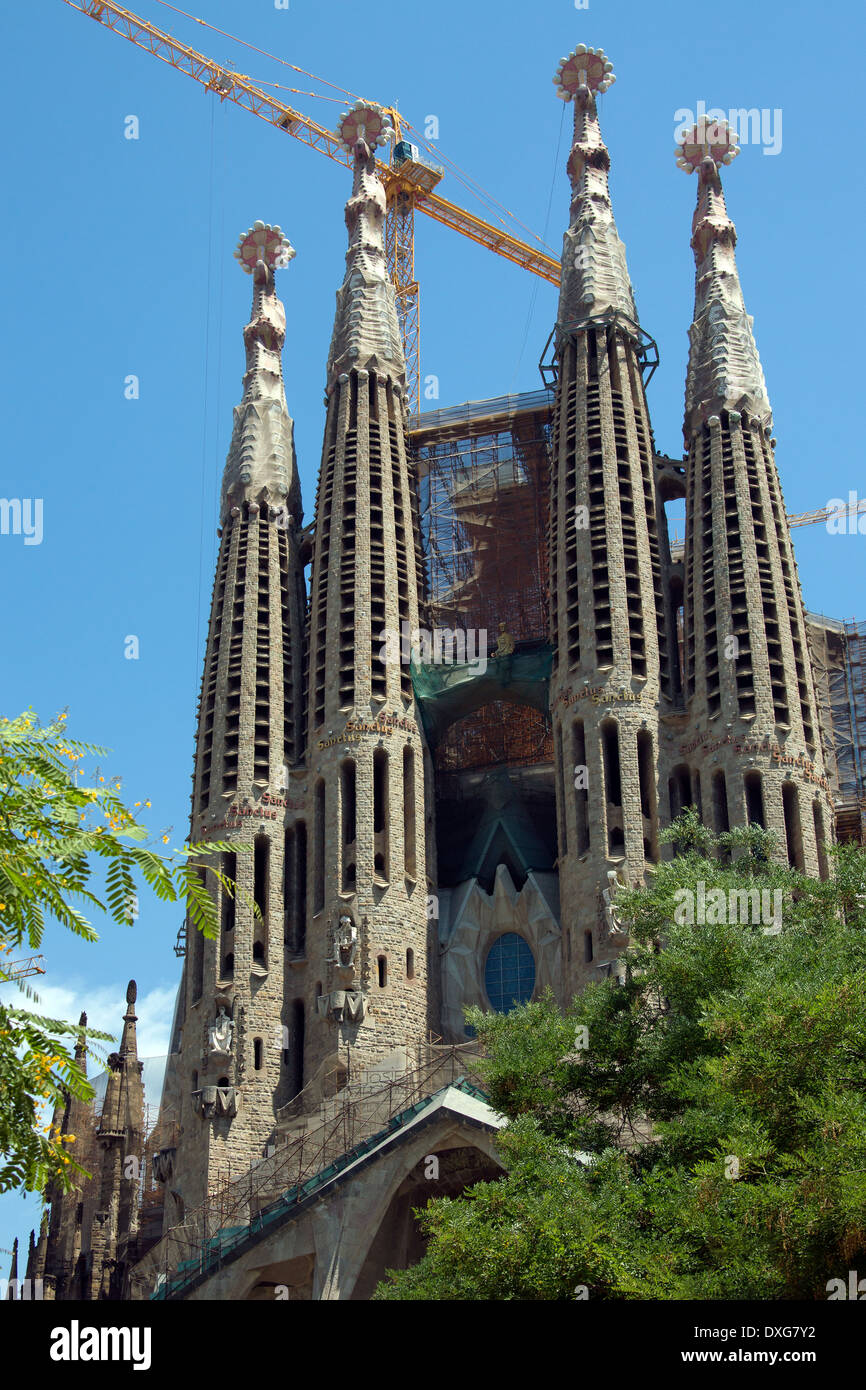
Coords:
409,180
852,508
20,969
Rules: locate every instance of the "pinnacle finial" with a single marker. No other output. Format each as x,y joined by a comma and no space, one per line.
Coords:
131,992
365,121
263,242
584,67
714,140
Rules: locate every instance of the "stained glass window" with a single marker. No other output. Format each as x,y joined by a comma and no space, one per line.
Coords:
509,974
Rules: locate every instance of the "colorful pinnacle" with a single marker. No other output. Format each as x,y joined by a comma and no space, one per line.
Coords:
585,67
715,139
365,121
263,243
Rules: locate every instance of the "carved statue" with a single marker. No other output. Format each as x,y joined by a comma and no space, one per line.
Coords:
611,916
221,1033
345,943
505,642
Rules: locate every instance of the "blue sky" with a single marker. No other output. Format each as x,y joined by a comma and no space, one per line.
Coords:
118,262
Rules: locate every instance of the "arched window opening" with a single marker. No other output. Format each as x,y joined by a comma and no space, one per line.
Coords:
754,798
380,814
647,785
319,848
818,818
793,828
679,791
581,792
348,821
296,1046
299,897
409,860
410,963
610,746
262,855
230,870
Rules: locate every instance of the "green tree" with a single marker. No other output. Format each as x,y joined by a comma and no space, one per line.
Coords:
709,1140
53,835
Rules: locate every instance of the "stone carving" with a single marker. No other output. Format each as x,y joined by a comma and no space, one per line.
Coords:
163,1164
613,921
221,1033
346,943
218,1100
342,1005
505,642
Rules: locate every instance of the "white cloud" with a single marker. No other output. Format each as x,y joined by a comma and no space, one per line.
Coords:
105,1006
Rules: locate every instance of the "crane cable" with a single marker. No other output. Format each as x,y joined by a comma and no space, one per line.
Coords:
473,188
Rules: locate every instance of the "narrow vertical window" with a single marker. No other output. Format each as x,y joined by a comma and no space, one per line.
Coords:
818,818
348,815
260,873
647,785
319,848
383,971
296,1046
581,792
754,798
299,900
409,813
587,947
793,828
380,814
257,1053
410,964
230,870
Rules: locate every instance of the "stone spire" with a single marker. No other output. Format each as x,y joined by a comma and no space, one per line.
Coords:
13,1269
121,1138
724,371
260,466
747,671
118,1108
607,606
371,949
366,333
595,277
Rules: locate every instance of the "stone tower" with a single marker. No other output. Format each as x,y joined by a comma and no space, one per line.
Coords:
369,983
60,1240
120,1136
753,738
233,1066
608,630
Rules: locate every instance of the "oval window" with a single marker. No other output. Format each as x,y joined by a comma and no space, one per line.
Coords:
509,974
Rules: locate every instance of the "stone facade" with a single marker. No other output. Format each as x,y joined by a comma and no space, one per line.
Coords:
672,683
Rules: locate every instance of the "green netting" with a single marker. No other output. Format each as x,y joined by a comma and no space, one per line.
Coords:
448,691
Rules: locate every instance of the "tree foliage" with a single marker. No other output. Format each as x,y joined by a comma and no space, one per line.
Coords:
67,850
709,1141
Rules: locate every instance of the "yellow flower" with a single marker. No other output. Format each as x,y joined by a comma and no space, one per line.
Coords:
165,839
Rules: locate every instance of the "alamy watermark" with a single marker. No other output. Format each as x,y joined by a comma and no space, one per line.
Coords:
714,907
746,126
22,516
443,646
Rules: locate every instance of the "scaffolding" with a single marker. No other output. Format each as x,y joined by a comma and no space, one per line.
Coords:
483,473
312,1150
838,651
